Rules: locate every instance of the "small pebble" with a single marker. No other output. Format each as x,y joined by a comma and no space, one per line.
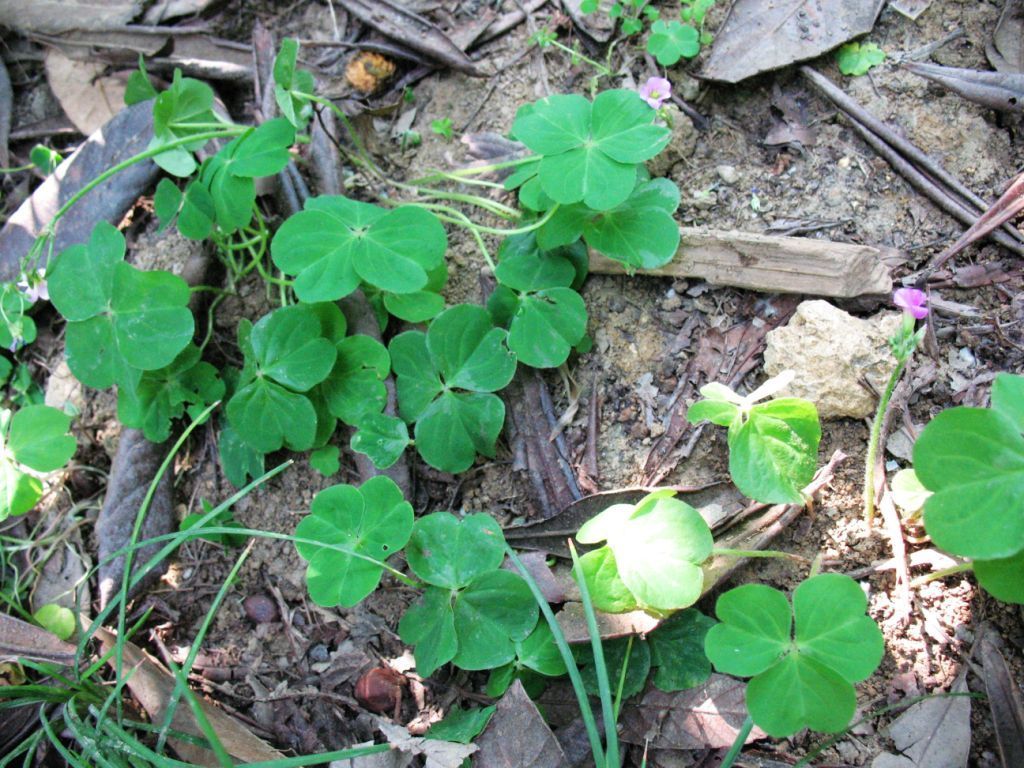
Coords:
727,174
318,653
260,609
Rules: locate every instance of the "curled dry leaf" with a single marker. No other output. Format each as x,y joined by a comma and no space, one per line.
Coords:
517,736
698,718
936,732
88,97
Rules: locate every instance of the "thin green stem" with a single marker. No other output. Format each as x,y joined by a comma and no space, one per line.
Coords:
920,581
874,439
586,713
502,211
18,169
50,228
461,174
490,230
458,217
622,678
362,157
601,68
737,744
608,707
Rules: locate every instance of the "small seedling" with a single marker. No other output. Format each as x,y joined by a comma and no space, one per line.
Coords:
442,127
669,42
857,58
773,446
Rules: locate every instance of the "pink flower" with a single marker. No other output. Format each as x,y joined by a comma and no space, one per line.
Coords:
912,301
656,91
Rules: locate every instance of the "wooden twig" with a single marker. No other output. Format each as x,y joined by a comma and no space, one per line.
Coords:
771,263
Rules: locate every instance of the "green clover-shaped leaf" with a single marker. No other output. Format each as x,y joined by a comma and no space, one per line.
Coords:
461,725
544,325
537,657
972,459
476,628
803,680
160,396
677,650
292,86
286,355
120,319
523,266
607,590
238,459
773,453
185,109
640,232
857,58
462,351
672,41
1003,579
336,242
38,438
448,552
16,327
637,669
355,530
590,151
355,386
381,437
659,545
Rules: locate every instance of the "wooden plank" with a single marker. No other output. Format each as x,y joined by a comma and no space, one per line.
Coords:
771,263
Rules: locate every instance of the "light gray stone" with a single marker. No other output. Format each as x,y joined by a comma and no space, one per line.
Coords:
831,351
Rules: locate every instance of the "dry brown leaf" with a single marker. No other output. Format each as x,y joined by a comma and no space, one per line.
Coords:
936,733
699,718
21,640
517,736
438,754
1004,700
758,36
1006,51
56,16
153,686
88,97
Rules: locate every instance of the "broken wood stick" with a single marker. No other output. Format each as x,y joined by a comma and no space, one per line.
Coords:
771,263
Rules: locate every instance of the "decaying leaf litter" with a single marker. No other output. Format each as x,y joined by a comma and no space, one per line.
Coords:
289,673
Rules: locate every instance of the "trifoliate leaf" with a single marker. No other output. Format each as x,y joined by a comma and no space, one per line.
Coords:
381,437
185,109
857,58
804,680
372,521
659,545
355,386
672,41
590,151
336,242
120,320
677,650
325,460
448,552
238,460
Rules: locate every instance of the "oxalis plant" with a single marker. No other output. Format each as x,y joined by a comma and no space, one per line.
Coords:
584,185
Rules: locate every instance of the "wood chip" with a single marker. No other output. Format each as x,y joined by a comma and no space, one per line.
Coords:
772,264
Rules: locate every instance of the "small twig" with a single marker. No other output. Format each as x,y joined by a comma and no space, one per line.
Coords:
904,600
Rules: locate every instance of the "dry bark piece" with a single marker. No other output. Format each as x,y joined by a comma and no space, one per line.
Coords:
1002,91
757,37
771,263
135,466
6,103
599,26
56,16
21,640
1006,51
127,134
936,733
392,20
1004,699
706,717
153,686
88,97
517,736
